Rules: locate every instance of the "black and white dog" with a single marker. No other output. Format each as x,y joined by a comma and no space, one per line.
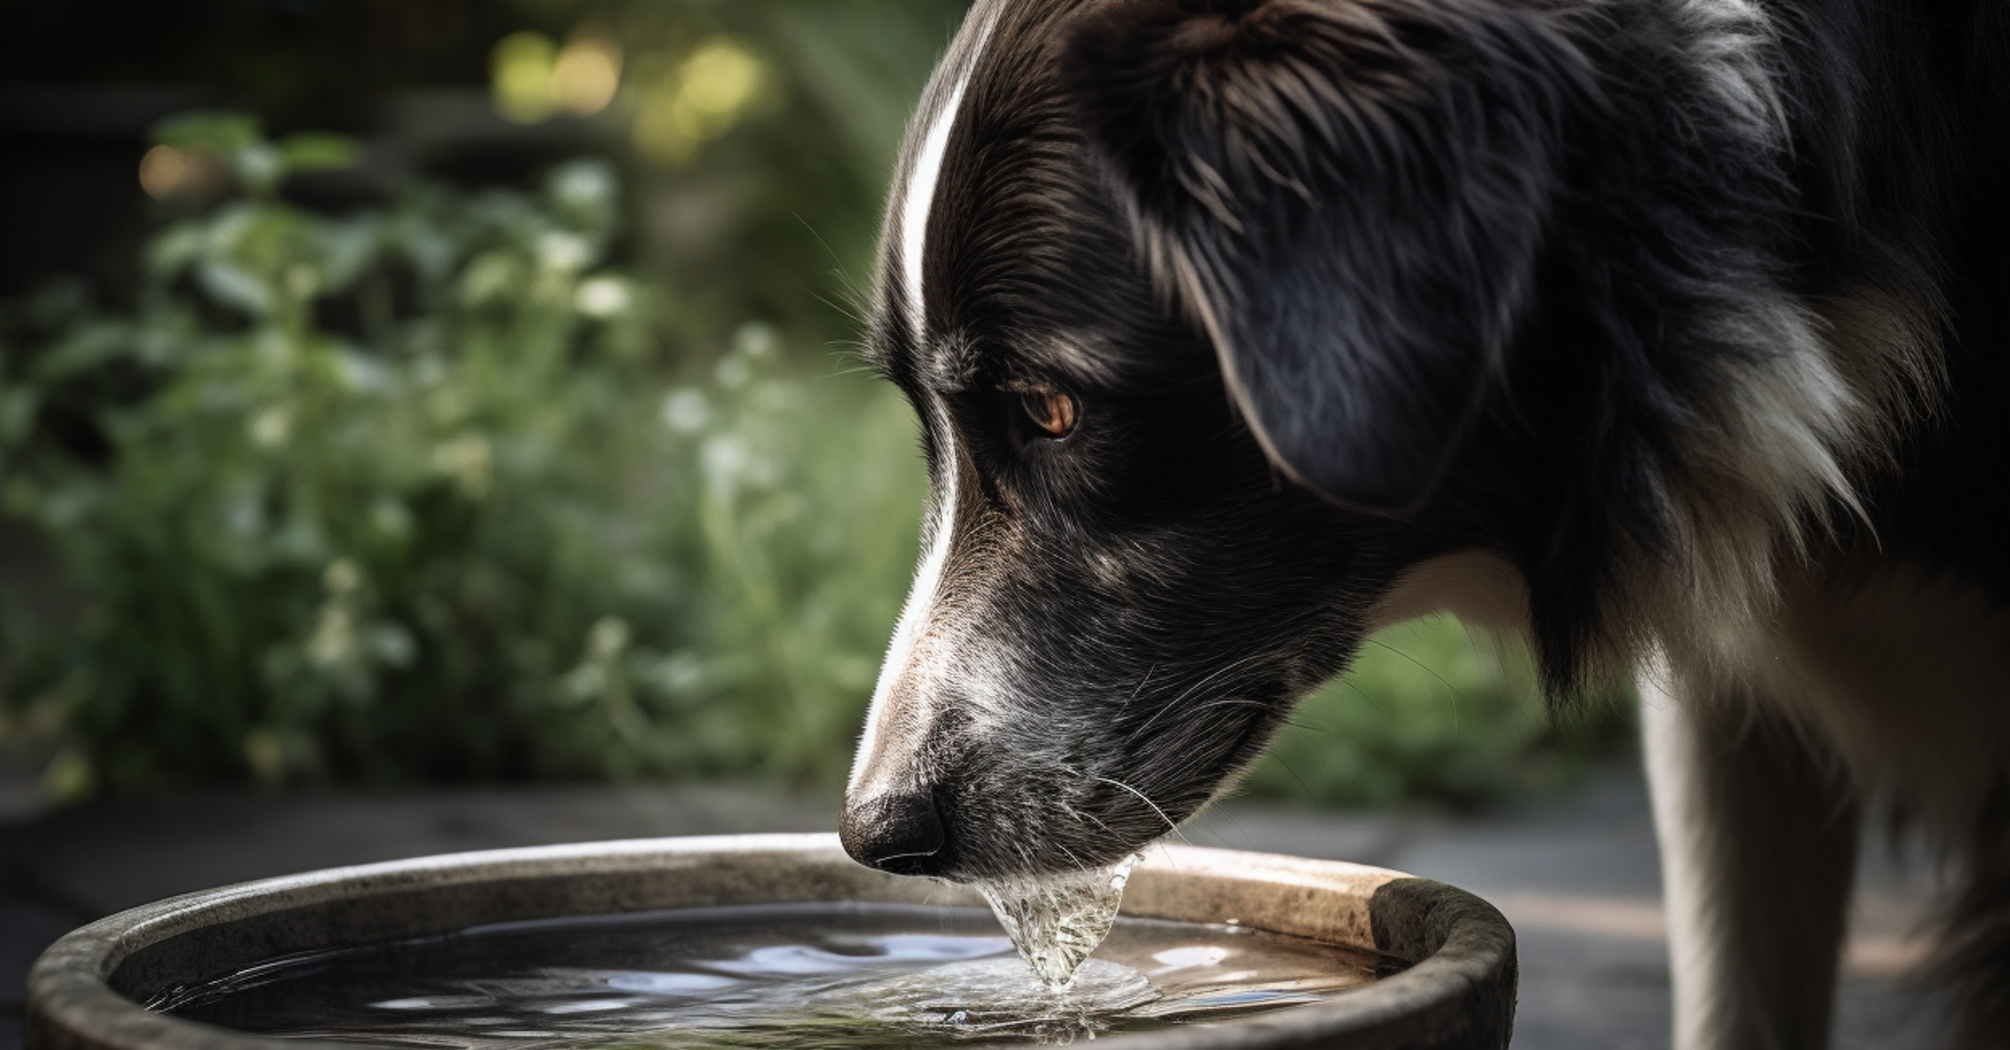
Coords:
1671,333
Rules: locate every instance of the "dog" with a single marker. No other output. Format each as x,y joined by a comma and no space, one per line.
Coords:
1668,334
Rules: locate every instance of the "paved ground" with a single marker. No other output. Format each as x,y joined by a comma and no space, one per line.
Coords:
1577,876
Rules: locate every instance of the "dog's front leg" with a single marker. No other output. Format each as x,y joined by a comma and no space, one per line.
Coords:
1758,848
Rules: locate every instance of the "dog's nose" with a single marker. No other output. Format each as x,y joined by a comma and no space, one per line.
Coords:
899,832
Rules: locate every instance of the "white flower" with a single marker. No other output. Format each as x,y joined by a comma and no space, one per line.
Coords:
685,411
270,428
333,642
608,637
603,297
470,461
723,458
755,339
564,252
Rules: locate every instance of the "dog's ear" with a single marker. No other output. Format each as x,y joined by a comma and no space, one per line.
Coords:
1349,195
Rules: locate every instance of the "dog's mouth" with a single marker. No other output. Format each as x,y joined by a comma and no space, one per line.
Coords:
1000,839
995,826
960,785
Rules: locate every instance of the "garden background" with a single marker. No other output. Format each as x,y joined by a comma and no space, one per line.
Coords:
437,391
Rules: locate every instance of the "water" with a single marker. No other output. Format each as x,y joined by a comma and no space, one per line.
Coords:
835,976
1057,920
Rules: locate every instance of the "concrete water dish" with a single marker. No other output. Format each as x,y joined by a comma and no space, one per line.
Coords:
1457,991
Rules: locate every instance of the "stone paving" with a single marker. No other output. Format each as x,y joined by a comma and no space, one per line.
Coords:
1576,875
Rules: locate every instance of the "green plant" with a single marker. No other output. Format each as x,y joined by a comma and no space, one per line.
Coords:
448,536
1431,711
790,539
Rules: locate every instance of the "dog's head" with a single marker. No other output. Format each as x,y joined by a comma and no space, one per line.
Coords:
1202,305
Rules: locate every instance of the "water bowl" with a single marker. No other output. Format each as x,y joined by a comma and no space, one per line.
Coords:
774,941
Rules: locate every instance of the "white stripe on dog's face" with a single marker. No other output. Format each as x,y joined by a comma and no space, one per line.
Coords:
913,616
922,182
916,203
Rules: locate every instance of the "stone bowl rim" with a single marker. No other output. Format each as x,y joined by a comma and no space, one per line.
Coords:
69,987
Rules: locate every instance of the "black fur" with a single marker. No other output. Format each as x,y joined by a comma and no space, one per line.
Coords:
1351,198
1340,287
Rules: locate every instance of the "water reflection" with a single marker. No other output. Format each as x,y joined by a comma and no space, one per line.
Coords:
829,976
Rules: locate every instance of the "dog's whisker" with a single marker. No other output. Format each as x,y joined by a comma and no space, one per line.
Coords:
1232,667
1139,687
1070,854
1171,825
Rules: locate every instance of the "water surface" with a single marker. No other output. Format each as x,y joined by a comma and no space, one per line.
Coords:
834,976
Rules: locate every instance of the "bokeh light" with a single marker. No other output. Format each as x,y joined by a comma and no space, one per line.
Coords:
520,71
168,172
533,79
716,86
162,171
587,72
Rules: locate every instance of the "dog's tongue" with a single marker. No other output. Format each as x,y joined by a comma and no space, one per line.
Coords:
1056,921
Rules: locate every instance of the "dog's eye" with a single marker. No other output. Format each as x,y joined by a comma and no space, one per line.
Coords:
1053,411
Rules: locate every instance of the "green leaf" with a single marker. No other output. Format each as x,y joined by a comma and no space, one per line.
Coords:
174,248
17,413
318,151
90,346
258,166
346,248
221,132
235,286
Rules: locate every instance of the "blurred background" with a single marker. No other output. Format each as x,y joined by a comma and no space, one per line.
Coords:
410,392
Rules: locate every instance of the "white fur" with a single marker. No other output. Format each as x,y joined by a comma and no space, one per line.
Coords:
903,654
914,616
1776,437
1777,431
1889,681
1734,43
1746,648
1684,826
1688,892
918,201
1757,857
1769,450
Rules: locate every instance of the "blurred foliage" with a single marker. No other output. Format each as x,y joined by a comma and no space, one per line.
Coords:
546,482
1431,711
470,536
